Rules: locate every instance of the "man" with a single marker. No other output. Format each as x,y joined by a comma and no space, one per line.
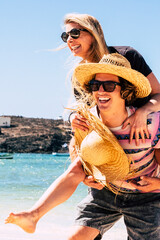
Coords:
106,83
112,85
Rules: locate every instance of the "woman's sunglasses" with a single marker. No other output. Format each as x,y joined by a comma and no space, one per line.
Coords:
108,86
74,33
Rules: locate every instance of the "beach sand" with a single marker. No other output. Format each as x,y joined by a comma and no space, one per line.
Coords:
52,232
54,227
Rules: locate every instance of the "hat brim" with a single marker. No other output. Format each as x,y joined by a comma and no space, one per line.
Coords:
102,158
104,174
85,72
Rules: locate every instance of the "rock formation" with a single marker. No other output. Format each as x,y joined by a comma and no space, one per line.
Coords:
35,135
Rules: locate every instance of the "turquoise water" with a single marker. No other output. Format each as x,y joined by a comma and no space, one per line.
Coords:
27,176
23,180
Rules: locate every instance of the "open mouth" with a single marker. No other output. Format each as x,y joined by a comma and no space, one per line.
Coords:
75,47
104,99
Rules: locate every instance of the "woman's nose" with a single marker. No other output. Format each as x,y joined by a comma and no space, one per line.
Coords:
70,39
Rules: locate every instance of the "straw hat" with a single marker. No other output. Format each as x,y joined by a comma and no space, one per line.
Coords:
100,152
103,160
114,64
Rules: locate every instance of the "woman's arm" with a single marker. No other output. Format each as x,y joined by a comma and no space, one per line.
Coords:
147,184
154,83
138,120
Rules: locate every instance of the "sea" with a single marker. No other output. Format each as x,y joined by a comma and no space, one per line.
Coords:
23,180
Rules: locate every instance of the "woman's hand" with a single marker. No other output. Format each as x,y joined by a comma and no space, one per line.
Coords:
138,123
90,182
147,184
79,122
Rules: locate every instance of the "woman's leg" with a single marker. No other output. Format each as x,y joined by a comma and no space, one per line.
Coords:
60,190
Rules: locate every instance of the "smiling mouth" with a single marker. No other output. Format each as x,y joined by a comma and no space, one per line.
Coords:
104,99
75,47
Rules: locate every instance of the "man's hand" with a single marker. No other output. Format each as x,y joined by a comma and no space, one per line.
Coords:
90,182
79,122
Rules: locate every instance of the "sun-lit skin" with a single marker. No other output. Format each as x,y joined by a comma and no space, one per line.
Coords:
80,46
110,103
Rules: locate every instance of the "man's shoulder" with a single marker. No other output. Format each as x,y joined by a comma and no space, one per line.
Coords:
153,123
154,114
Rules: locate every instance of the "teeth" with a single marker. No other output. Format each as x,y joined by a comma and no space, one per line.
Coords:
104,99
75,47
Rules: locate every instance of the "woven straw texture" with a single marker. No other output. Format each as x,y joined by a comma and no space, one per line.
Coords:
100,152
114,64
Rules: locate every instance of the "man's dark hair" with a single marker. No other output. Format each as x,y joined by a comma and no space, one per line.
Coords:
128,91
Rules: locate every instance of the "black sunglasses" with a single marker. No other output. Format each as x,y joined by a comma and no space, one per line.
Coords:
74,33
108,86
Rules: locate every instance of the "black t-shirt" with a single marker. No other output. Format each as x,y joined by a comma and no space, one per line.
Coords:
137,62
134,57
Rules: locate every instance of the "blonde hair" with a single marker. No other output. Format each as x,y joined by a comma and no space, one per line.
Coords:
90,23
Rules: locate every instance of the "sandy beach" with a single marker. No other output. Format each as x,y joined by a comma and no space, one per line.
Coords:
54,226
51,231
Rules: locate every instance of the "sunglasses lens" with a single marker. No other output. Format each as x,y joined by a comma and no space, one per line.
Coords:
109,87
75,33
64,36
94,86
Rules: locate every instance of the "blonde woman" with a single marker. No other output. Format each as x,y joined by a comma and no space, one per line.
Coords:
85,38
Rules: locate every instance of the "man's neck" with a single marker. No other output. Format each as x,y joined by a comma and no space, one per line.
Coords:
114,119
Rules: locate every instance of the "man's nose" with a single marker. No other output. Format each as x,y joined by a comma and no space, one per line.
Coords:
101,89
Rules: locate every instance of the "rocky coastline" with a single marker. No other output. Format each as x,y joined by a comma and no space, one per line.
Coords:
35,135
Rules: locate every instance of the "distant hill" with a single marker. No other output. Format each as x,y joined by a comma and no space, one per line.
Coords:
35,135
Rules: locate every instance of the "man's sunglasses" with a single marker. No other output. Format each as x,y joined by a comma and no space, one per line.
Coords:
108,86
74,33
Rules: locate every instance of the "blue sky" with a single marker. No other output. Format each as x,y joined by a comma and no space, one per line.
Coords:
32,80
